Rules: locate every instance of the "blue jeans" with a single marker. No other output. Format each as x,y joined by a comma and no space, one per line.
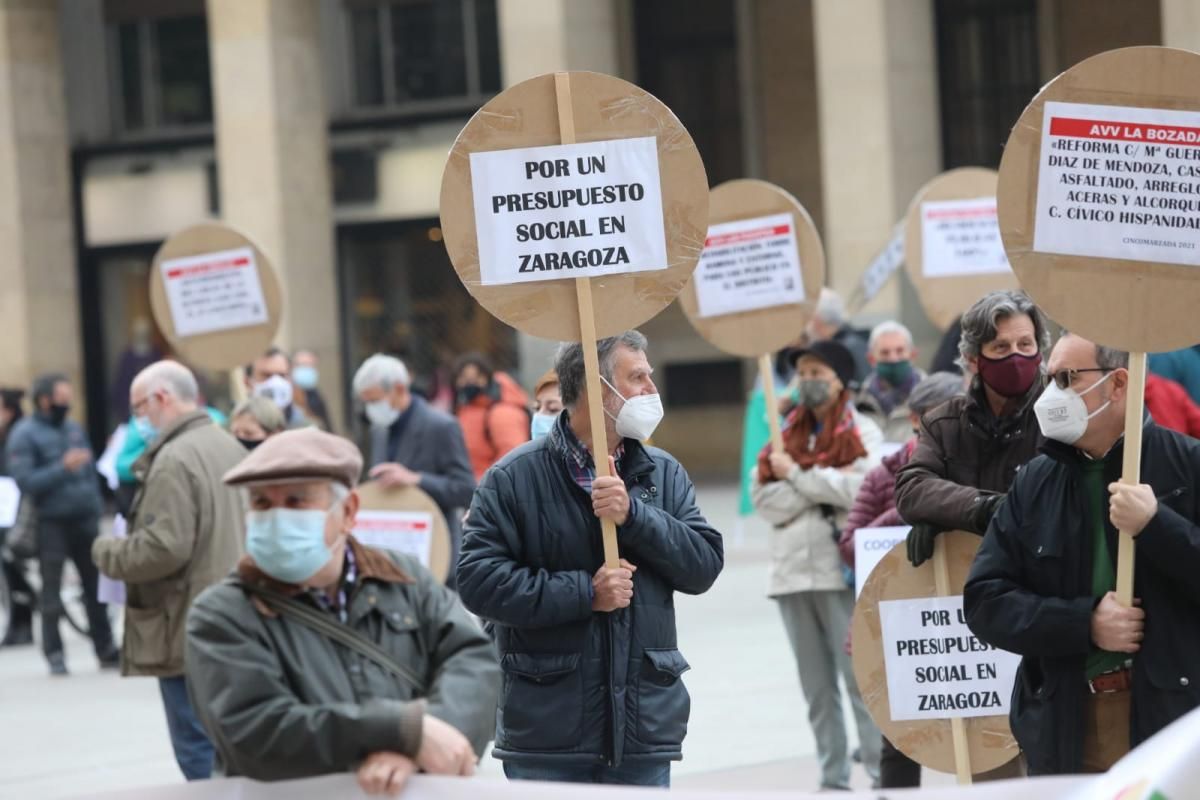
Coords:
631,773
193,750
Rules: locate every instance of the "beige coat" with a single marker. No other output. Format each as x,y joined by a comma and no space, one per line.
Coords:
186,533
803,541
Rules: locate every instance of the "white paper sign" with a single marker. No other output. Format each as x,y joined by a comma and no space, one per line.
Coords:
110,590
1119,182
870,546
214,292
568,211
749,264
408,532
10,502
961,237
936,668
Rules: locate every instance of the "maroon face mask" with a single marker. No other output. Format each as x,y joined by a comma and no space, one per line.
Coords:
1011,376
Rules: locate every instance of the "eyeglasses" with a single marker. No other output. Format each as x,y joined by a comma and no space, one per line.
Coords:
1064,378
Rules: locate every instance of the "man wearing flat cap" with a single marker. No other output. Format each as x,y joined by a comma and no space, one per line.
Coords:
321,655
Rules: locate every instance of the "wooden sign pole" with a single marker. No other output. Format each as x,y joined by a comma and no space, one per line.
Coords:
1131,472
587,338
958,725
767,375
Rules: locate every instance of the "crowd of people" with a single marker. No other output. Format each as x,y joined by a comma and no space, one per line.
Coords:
284,647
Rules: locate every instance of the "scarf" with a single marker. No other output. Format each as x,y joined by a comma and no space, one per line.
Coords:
836,444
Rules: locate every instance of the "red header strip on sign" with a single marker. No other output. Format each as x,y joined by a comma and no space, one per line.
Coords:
1124,131
746,236
212,266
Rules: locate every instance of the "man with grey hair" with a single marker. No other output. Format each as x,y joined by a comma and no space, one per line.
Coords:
414,444
830,322
885,392
592,690
185,534
1097,677
970,449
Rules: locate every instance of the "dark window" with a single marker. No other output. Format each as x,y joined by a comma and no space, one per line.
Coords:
161,75
405,53
704,383
401,296
182,80
987,73
687,57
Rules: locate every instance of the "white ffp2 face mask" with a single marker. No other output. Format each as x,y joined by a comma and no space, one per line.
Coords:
277,389
381,414
639,416
1062,414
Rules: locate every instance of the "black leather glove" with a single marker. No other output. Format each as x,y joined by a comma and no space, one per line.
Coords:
985,509
920,543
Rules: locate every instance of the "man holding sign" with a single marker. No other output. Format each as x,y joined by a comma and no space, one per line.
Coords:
593,690
1097,678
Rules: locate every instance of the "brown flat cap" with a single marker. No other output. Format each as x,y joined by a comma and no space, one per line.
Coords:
307,454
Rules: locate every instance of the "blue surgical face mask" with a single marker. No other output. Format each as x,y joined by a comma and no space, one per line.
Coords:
287,543
305,377
541,424
145,428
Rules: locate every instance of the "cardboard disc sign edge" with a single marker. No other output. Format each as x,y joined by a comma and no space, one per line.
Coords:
374,497
226,349
1067,288
605,107
945,299
934,742
765,330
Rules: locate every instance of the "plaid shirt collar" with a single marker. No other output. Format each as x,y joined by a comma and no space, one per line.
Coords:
341,605
577,456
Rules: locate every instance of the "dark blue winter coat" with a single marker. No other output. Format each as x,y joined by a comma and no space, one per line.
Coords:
582,686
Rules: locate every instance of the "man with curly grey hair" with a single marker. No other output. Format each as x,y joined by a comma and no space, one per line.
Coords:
970,448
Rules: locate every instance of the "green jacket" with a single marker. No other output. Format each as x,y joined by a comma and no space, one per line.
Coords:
185,534
281,701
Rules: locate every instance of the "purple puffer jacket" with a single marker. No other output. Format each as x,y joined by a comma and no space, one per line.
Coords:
875,504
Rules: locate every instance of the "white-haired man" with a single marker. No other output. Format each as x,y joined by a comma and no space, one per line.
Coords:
185,534
884,394
414,444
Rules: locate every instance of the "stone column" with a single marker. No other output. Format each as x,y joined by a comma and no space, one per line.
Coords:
1180,24
38,288
879,127
273,158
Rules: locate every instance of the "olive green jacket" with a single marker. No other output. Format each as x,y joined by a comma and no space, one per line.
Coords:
185,533
280,700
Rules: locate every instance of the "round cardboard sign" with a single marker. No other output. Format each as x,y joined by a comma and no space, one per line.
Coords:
928,742
374,497
604,107
763,330
946,297
224,280
1127,303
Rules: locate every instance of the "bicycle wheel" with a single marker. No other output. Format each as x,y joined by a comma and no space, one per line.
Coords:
5,602
74,610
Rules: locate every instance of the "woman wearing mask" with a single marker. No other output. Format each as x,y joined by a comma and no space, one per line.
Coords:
20,619
547,402
970,449
492,410
805,492
255,420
